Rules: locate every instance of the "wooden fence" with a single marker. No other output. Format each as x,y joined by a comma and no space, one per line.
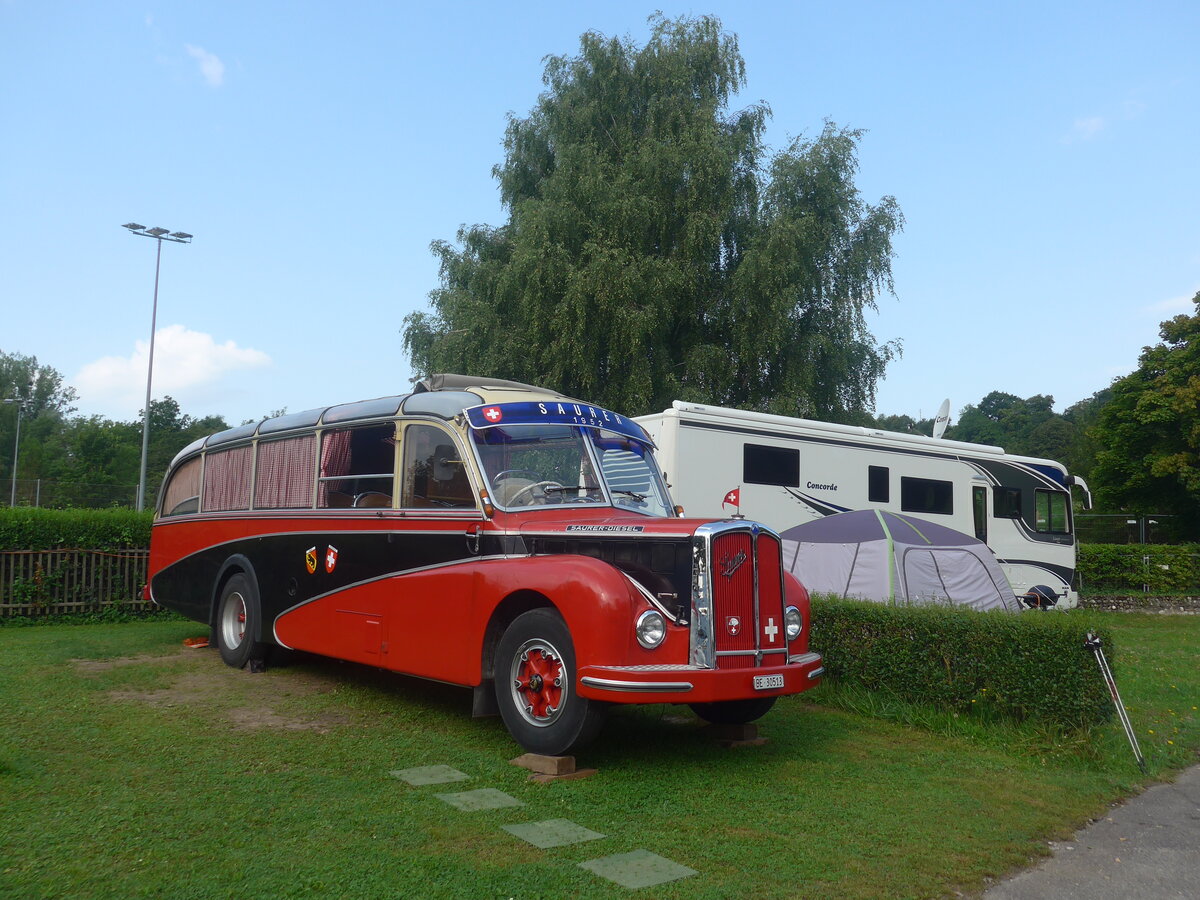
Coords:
52,582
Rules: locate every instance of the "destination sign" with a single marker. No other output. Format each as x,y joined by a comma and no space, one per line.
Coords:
553,412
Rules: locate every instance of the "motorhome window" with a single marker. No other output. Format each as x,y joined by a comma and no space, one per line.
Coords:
770,465
979,511
878,487
283,474
1050,512
1006,503
227,480
182,493
433,471
357,466
925,495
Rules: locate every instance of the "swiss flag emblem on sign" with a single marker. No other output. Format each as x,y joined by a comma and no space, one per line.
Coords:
493,414
331,555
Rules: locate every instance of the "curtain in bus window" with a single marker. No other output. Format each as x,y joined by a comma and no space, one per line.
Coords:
335,460
283,477
625,470
183,490
227,479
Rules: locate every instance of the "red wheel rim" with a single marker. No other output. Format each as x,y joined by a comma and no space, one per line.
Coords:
539,682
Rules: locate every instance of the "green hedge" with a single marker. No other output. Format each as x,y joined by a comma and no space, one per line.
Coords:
1025,666
25,528
1163,568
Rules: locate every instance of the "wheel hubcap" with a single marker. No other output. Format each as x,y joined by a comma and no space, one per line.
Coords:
538,682
233,620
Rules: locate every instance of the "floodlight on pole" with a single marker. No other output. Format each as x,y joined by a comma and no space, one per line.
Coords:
159,235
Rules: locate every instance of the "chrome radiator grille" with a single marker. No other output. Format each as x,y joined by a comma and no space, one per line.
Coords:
738,592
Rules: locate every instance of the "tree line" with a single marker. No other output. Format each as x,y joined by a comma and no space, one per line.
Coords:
67,460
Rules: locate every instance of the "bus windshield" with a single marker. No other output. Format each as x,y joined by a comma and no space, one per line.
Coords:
552,465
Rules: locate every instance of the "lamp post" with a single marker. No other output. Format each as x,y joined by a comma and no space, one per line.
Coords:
160,235
12,497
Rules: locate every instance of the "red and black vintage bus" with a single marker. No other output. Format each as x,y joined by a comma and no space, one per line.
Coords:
488,534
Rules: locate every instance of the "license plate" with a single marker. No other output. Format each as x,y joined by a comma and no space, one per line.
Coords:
767,682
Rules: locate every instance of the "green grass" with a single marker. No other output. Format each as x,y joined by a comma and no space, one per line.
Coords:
143,779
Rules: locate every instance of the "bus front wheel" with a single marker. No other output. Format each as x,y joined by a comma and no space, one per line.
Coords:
535,686
237,623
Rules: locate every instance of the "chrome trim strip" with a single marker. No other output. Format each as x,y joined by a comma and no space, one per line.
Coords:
645,687
803,659
651,599
816,673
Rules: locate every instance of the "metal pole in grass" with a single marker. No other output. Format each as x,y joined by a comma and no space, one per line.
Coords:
1093,643
159,235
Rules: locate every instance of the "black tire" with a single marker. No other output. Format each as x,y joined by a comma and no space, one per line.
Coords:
734,712
543,714
237,622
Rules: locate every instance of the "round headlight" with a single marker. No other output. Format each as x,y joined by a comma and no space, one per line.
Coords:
793,623
651,629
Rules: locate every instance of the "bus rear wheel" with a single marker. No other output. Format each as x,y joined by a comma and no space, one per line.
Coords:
237,623
535,686
733,712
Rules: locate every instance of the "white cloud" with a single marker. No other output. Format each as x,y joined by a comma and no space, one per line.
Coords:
1172,306
183,360
1087,128
211,66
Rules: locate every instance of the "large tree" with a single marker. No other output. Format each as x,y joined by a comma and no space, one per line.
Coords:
1149,431
1027,426
655,251
44,401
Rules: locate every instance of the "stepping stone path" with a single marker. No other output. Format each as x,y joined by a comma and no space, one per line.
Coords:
638,869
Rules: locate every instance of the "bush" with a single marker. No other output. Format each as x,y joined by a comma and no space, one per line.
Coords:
1163,569
25,528
1025,666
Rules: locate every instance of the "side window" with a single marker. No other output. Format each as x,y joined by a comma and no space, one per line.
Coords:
1050,512
770,465
182,494
433,472
878,488
227,479
283,474
979,511
358,466
926,495
1006,503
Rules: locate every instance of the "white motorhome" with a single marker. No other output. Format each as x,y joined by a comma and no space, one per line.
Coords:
790,471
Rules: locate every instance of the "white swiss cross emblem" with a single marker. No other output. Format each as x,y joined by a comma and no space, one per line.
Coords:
771,630
493,414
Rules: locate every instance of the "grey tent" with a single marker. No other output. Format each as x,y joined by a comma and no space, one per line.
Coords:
875,555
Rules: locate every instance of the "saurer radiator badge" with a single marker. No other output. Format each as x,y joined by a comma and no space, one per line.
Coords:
730,564
733,625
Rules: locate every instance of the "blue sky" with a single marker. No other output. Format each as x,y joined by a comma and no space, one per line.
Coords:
1044,155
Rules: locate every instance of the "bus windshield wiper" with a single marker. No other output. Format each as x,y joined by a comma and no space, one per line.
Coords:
638,497
571,487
